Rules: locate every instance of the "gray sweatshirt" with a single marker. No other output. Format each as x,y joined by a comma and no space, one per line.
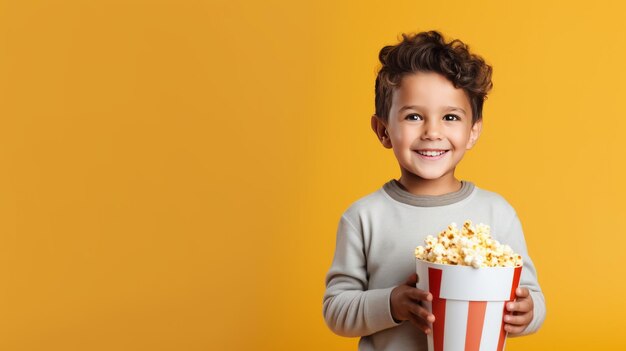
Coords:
374,253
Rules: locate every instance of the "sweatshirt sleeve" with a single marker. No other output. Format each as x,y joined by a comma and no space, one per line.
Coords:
349,308
528,279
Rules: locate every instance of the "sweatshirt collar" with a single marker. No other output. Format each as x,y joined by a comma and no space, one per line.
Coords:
394,189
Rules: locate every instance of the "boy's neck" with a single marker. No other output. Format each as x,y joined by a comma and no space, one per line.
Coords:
419,186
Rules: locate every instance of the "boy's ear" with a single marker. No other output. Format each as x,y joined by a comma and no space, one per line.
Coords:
474,134
379,128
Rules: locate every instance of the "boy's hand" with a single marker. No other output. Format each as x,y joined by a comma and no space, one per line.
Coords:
521,312
405,304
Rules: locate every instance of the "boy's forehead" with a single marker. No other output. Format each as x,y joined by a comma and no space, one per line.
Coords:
428,89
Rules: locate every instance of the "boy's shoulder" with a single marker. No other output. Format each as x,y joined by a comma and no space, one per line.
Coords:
490,196
493,199
370,202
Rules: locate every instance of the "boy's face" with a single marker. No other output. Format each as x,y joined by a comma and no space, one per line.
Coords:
429,126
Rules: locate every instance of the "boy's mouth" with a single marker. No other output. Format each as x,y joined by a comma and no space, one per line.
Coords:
431,153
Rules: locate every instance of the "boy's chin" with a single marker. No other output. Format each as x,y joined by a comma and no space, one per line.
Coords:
427,176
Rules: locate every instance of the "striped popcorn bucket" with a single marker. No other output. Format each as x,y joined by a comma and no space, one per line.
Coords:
468,304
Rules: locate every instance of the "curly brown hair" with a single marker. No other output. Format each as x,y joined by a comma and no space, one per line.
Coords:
428,52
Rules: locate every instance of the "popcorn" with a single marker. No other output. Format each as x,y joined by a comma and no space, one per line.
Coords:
469,246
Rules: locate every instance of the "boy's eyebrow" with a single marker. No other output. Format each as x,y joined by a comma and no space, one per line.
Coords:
417,107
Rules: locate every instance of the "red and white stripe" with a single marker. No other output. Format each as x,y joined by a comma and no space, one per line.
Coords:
468,305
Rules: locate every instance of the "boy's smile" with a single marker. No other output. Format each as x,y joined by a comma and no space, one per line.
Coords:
429,128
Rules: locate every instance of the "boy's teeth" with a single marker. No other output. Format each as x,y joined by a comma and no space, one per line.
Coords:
431,153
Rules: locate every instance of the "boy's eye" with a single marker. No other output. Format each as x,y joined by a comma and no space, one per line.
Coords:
414,117
451,118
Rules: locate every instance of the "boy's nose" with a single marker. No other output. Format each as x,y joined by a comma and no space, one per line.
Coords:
431,130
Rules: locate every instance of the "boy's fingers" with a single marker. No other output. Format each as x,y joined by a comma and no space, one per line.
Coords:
521,305
514,329
420,295
422,313
521,319
522,292
412,280
420,324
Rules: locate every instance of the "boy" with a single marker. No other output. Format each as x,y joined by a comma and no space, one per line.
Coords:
429,98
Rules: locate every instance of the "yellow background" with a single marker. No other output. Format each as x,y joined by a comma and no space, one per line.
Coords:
172,172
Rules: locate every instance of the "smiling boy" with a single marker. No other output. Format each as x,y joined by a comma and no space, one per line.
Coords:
429,130
429,98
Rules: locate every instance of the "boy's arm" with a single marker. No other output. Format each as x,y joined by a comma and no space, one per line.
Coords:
528,279
349,308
